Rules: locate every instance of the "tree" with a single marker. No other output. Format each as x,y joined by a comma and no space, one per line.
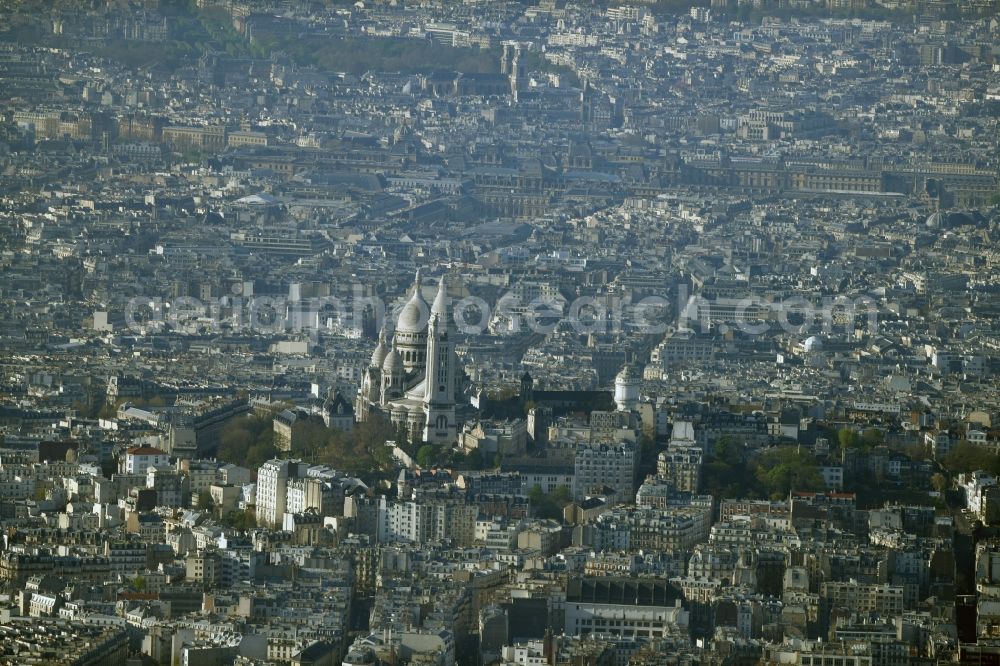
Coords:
402,436
474,459
234,438
262,450
239,520
848,438
918,451
381,456
872,437
108,410
647,449
426,456
783,469
940,482
536,494
728,451
249,441
362,450
562,495
501,395
549,505
205,502
156,401
310,436
725,472
967,457
374,432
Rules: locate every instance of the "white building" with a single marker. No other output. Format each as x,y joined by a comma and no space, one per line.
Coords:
272,489
531,653
623,607
430,647
423,522
797,652
417,380
833,476
627,386
974,484
600,465
140,458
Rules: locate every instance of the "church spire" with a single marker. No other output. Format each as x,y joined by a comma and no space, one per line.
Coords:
439,381
441,301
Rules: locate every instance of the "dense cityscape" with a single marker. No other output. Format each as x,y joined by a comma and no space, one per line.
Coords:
499,333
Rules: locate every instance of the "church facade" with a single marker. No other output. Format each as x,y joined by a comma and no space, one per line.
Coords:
416,380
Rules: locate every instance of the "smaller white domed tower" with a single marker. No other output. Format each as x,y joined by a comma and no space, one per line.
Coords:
392,376
627,384
370,391
381,349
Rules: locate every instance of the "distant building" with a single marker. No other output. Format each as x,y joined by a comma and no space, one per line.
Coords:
39,641
208,138
600,466
284,429
623,607
139,458
338,413
272,489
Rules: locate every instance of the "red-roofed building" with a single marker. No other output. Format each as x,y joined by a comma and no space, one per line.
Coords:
139,458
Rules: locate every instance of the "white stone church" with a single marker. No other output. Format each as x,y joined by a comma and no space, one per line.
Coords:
417,380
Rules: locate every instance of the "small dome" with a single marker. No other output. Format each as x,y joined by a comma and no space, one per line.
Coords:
393,361
934,220
813,343
378,356
626,374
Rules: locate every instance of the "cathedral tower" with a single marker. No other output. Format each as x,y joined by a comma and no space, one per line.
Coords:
439,381
411,330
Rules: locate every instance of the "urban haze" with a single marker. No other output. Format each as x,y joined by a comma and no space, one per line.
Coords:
499,332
